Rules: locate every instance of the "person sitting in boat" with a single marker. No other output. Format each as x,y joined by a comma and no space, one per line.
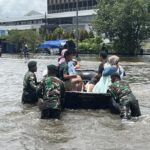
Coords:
110,67
123,100
114,67
90,85
61,59
53,94
30,84
72,81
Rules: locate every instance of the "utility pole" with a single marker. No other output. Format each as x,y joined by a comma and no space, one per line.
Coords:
45,26
77,26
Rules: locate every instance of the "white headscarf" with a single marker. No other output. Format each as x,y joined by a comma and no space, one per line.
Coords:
113,60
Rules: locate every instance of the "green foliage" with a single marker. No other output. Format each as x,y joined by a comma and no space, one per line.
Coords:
98,40
91,34
83,34
72,35
58,32
32,39
90,44
126,22
26,36
67,35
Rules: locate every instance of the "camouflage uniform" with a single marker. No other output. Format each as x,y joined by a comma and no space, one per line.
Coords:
30,88
123,95
53,94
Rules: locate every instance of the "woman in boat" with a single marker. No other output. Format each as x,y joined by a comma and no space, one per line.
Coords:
68,75
110,67
123,101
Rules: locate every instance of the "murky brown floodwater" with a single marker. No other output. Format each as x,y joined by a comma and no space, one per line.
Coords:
22,129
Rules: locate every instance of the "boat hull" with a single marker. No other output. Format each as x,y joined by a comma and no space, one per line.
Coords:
84,100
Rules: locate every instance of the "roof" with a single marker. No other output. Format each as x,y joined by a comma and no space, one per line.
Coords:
33,12
50,16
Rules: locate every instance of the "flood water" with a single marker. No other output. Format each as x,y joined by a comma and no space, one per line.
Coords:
22,129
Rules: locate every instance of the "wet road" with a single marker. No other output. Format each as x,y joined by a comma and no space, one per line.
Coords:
22,129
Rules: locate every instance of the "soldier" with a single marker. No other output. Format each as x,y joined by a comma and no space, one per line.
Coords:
123,99
30,84
53,94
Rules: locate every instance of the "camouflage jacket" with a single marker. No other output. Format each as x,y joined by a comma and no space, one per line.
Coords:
120,90
30,82
52,92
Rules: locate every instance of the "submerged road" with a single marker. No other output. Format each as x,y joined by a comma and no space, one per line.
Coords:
22,129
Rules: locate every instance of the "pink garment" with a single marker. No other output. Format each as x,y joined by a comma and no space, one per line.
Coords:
61,58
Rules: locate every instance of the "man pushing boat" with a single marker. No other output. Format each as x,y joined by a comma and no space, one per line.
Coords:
52,87
123,101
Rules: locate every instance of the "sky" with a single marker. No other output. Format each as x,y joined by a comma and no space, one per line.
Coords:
17,8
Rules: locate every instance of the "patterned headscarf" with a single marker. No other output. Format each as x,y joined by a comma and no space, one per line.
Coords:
61,59
113,60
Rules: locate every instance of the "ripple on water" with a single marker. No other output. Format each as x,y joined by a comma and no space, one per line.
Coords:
22,128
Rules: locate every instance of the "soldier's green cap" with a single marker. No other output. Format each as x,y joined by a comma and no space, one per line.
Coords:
32,64
52,68
115,75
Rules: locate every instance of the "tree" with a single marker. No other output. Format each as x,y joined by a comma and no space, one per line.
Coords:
91,34
26,36
14,37
125,22
83,35
31,38
66,35
58,32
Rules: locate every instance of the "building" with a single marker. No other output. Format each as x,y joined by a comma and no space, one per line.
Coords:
65,11
32,20
60,13
58,6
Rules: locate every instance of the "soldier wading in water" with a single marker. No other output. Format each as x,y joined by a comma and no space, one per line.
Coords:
30,85
52,93
123,101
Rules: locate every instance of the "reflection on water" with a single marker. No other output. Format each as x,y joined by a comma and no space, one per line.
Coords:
21,127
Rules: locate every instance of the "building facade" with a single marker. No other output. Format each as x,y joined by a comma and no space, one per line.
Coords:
60,13
65,11
58,6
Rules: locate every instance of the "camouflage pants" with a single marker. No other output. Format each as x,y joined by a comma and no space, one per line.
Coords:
128,106
49,109
29,97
